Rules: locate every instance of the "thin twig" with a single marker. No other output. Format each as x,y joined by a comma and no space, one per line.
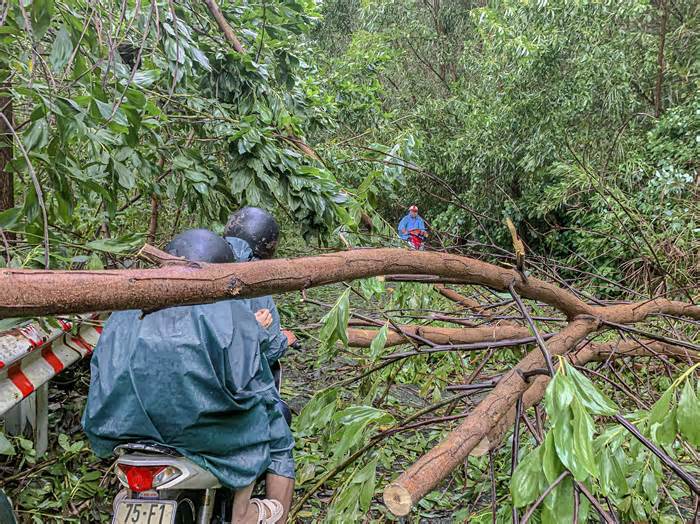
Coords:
533,328
546,492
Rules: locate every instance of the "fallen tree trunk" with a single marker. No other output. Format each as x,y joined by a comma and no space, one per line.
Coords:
26,292
438,335
423,476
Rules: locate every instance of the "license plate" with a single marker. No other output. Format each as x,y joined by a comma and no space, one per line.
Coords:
145,512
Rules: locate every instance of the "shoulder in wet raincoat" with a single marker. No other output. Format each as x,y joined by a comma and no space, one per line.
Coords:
193,378
276,344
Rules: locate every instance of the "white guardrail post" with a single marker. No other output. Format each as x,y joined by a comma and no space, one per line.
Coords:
30,356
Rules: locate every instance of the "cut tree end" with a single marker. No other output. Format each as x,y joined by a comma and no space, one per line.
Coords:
397,499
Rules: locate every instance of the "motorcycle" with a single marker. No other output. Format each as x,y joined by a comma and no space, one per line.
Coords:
160,486
416,239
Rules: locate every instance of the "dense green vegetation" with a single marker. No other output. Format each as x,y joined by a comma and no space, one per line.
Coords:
580,120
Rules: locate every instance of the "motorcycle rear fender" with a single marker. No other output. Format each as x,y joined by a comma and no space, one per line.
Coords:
192,476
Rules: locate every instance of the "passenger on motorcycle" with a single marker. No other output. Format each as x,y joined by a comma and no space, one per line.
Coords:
253,234
195,378
412,229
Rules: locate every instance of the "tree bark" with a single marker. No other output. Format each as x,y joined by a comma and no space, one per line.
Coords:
27,292
224,26
153,224
452,295
439,335
7,188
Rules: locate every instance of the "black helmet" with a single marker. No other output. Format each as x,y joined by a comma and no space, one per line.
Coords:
257,227
201,245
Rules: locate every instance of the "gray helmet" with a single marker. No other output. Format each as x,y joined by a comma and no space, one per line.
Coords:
257,227
201,245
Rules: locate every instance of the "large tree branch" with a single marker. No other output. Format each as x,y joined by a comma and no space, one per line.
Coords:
36,292
27,292
431,468
439,335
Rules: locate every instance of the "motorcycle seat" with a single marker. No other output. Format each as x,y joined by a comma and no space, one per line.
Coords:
146,447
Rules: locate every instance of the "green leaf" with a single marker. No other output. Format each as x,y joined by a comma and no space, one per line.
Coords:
6,447
115,245
200,57
583,441
343,317
618,477
559,394
563,440
525,484
661,407
95,262
650,485
10,217
37,136
379,341
594,401
64,441
317,412
367,476
61,50
664,433
688,415
106,111
559,504
330,321
125,175
551,465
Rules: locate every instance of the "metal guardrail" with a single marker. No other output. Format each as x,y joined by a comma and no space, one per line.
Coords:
30,356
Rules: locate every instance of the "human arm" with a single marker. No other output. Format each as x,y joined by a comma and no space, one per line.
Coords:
277,341
403,228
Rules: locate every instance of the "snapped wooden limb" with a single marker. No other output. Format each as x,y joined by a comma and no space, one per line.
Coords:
26,292
439,335
431,468
480,428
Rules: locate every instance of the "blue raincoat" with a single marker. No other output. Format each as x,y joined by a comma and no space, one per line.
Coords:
193,378
276,344
408,223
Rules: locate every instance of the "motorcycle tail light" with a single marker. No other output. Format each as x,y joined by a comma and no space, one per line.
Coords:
143,478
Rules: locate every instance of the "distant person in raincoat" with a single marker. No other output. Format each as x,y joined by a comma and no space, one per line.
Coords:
412,229
194,378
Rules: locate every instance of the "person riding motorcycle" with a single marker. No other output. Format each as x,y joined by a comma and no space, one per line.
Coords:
253,234
195,378
412,229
